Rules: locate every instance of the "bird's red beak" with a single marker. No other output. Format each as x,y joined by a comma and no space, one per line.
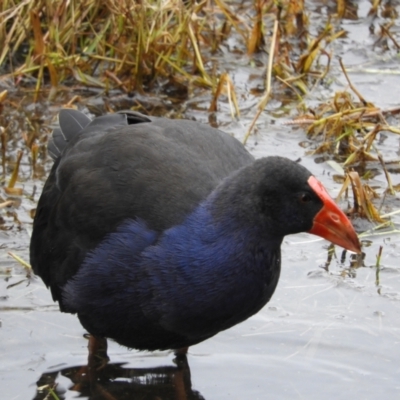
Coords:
331,223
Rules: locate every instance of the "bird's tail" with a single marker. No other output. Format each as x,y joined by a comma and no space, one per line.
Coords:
71,122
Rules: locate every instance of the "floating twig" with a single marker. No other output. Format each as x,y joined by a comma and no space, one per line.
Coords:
26,265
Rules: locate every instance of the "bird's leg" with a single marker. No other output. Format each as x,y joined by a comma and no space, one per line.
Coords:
182,351
97,360
182,380
97,347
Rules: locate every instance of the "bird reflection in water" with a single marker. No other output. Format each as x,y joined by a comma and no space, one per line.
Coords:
114,381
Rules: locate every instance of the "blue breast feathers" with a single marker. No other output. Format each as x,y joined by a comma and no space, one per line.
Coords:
194,279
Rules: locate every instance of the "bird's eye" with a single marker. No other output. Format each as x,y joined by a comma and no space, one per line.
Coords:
305,198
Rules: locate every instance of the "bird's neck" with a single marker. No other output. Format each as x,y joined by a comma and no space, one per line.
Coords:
213,240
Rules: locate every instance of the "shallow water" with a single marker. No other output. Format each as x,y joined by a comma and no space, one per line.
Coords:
327,332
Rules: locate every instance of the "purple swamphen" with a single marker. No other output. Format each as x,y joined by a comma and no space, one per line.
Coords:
161,233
